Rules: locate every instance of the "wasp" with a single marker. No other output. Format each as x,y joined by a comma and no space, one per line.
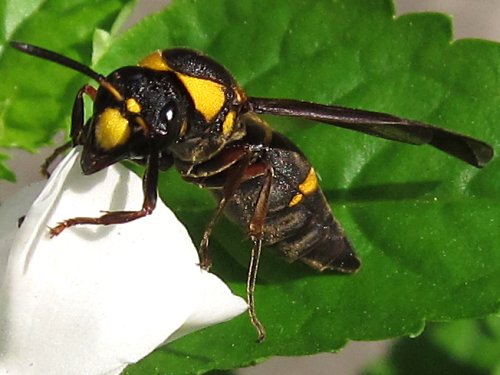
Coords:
179,108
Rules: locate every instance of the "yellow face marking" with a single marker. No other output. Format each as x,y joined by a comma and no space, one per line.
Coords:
310,183
228,124
154,61
297,198
133,106
112,129
208,96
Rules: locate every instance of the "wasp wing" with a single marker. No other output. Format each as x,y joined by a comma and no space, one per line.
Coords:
463,147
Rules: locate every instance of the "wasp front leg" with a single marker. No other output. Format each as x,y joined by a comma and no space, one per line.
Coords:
77,121
44,168
149,182
77,114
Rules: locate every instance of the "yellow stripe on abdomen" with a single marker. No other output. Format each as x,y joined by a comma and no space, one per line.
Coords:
306,187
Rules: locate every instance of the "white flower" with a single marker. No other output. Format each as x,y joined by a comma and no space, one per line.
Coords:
95,298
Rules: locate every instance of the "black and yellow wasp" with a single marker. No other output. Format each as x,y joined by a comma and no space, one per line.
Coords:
180,108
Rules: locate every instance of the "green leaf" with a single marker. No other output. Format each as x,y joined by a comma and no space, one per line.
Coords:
36,96
424,225
5,173
463,347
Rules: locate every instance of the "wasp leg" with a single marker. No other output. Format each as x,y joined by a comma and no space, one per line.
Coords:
44,168
149,185
256,234
77,120
76,128
233,181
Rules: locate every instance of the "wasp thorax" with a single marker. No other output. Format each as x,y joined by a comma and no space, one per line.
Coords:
112,129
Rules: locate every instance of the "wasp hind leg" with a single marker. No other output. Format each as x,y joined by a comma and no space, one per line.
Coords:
256,231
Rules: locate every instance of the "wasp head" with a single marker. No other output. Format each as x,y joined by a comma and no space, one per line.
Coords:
137,111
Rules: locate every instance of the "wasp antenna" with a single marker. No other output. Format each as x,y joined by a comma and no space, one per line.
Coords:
67,62
57,58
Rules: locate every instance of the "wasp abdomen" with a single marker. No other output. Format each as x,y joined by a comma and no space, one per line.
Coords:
299,221
308,232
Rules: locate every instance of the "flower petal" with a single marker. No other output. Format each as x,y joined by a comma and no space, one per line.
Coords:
10,211
217,304
95,298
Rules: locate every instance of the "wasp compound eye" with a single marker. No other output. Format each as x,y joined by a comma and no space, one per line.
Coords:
168,119
169,112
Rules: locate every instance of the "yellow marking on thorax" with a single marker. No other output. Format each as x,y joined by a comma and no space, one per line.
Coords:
112,129
208,96
310,183
228,124
240,95
154,61
133,106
